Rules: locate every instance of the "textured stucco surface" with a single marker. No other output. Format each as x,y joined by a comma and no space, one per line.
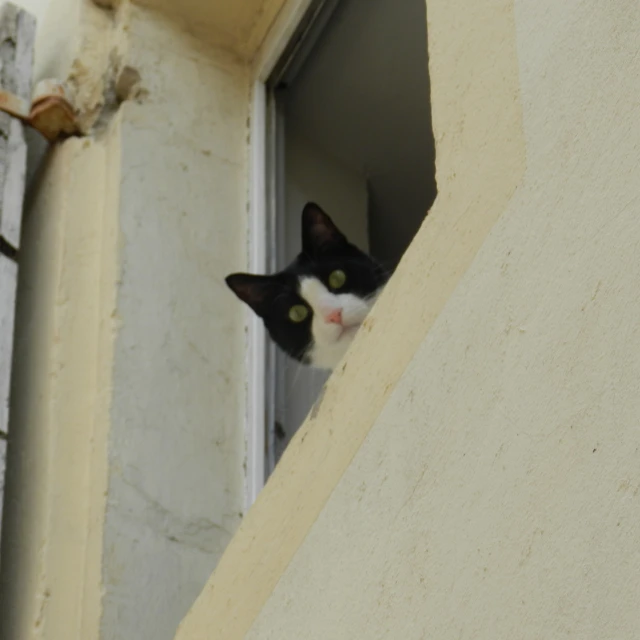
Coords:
497,493
176,447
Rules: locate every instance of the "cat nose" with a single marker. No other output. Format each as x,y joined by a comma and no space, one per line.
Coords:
334,316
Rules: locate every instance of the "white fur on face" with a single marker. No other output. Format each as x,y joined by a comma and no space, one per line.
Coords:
331,340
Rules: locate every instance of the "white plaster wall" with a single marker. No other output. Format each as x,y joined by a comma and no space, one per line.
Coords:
36,7
312,175
176,448
57,34
497,494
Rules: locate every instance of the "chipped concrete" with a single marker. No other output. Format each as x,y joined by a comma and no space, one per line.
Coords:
176,444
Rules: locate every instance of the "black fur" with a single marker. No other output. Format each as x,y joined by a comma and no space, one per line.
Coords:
324,249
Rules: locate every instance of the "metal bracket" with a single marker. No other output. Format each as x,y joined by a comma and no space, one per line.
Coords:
50,111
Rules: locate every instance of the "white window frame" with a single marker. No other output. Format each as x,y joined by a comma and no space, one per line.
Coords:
255,426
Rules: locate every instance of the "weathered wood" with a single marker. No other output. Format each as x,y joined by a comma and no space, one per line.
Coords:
3,464
8,279
17,37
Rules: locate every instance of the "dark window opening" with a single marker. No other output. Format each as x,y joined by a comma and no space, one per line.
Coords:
351,130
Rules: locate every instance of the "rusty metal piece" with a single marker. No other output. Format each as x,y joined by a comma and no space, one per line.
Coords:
52,116
50,112
14,105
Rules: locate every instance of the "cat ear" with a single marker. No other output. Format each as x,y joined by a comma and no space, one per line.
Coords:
319,233
256,291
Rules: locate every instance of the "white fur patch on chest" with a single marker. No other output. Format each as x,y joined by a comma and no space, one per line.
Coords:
336,320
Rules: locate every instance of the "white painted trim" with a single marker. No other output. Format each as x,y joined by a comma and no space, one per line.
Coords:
271,174
255,427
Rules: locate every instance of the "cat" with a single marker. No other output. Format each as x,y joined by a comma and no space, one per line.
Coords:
313,308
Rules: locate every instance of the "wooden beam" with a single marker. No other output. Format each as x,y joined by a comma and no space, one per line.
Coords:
17,37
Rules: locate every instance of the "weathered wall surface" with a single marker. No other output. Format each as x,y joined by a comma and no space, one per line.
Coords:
177,440
57,480
493,489
237,27
126,472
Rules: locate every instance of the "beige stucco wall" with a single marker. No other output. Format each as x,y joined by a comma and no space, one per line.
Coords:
476,475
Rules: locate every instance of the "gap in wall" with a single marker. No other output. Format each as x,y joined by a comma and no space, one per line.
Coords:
355,135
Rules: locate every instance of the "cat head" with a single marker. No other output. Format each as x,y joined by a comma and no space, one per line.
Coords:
313,308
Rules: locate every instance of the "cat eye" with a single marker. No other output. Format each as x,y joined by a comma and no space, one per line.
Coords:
298,313
337,279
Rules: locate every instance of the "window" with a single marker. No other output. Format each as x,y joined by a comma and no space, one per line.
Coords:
349,127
